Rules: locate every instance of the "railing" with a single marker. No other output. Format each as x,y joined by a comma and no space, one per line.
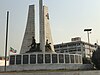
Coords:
47,58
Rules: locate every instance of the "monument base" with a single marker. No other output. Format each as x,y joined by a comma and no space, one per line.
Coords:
45,58
44,67
46,61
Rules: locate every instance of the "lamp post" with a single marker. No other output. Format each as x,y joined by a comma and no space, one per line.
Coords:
88,32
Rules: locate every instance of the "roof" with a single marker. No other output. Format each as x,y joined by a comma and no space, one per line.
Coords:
74,42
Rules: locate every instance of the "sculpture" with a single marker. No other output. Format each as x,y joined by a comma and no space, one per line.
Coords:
47,46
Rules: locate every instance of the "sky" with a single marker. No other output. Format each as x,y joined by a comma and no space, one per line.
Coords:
68,19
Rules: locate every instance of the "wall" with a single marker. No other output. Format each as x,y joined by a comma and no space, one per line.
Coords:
48,67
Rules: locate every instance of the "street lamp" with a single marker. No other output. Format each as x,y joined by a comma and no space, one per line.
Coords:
88,32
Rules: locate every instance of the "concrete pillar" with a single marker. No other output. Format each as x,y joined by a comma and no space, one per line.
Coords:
42,27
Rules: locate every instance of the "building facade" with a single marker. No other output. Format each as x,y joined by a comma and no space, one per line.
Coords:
76,46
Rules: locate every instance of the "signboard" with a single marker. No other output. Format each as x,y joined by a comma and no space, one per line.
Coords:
72,58
61,58
40,58
66,58
18,59
80,59
76,58
54,58
12,59
47,58
33,59
25,59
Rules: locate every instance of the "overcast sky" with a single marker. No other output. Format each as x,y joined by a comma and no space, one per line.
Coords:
68,19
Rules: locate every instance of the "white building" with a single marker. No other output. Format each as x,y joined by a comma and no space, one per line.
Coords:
76,46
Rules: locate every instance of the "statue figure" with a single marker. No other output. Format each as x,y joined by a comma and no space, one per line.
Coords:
33,46
48,47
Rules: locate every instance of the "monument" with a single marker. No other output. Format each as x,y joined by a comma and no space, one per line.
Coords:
45,31
36,56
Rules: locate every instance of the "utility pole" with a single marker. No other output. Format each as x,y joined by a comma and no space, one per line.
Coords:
6,41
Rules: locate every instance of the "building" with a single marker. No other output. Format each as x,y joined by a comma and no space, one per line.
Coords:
76,46
2,61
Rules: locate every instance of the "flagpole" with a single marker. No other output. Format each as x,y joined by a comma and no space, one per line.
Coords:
9,53
6,41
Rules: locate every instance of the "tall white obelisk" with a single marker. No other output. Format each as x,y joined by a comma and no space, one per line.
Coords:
42,27
29,31
48,35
